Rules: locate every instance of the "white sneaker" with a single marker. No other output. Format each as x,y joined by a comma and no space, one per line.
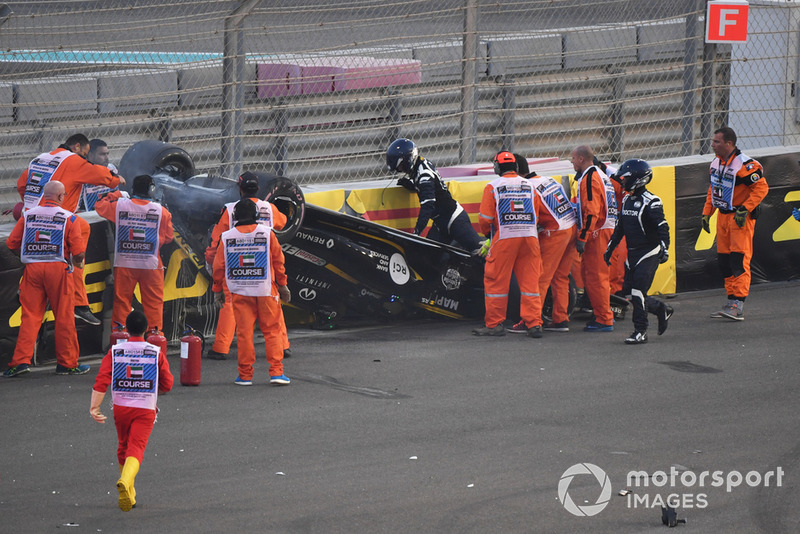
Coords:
637,338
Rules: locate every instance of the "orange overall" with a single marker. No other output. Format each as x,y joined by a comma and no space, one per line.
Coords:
48,281
248,310
226,322
80,298
616,271
557,231
734,243
558,254
74,173
595,231
507,255
151,281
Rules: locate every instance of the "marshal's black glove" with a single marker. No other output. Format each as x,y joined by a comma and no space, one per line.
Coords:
740,216
707,224
581,246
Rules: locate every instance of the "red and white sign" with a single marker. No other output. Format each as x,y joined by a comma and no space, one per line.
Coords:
726,21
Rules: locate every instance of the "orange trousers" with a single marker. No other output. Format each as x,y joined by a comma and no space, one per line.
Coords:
151,287
226,326
266,311
616,272
576,270
558,251
78,284
42,282
595,275
731,238
521,256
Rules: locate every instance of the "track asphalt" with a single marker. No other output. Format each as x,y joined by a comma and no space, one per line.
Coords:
422,427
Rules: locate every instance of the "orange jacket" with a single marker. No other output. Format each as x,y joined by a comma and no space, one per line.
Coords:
276,260
107,208
223,225
746,192
74,172
487,222
74,243
593,203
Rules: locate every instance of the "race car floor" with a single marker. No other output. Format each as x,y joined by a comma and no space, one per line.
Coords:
422,427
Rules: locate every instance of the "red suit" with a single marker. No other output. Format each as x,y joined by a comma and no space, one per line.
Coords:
508,212
226,322
45,281
597,215
260,304
74,172
149,276
133,424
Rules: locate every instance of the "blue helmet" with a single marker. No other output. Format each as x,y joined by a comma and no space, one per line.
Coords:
634,174
401,155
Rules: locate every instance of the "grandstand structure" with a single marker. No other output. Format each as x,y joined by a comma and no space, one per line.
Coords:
315,91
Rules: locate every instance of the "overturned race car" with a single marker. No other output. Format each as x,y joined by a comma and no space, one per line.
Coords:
339,266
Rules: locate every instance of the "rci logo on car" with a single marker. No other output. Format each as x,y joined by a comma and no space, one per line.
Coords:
307,294
602,500
398,269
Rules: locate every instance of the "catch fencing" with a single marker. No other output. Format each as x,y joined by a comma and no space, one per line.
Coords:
316,90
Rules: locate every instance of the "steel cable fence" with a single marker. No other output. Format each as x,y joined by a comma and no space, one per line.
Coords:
316,91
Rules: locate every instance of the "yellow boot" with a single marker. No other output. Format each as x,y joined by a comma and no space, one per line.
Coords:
127,493
133,490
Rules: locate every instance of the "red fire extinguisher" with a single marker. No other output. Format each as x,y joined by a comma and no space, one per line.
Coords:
191,354
118,333
157,338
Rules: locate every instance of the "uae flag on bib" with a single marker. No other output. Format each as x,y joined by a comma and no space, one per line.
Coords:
136,234
247,260
135,371
517,205
42,236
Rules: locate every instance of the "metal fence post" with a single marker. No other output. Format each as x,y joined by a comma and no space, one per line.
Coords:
689,76
617,141
468,150
233,90
280,150
394,114
707,97
163,126
509,95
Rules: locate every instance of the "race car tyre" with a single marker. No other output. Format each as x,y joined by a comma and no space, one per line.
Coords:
156,157
288,198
